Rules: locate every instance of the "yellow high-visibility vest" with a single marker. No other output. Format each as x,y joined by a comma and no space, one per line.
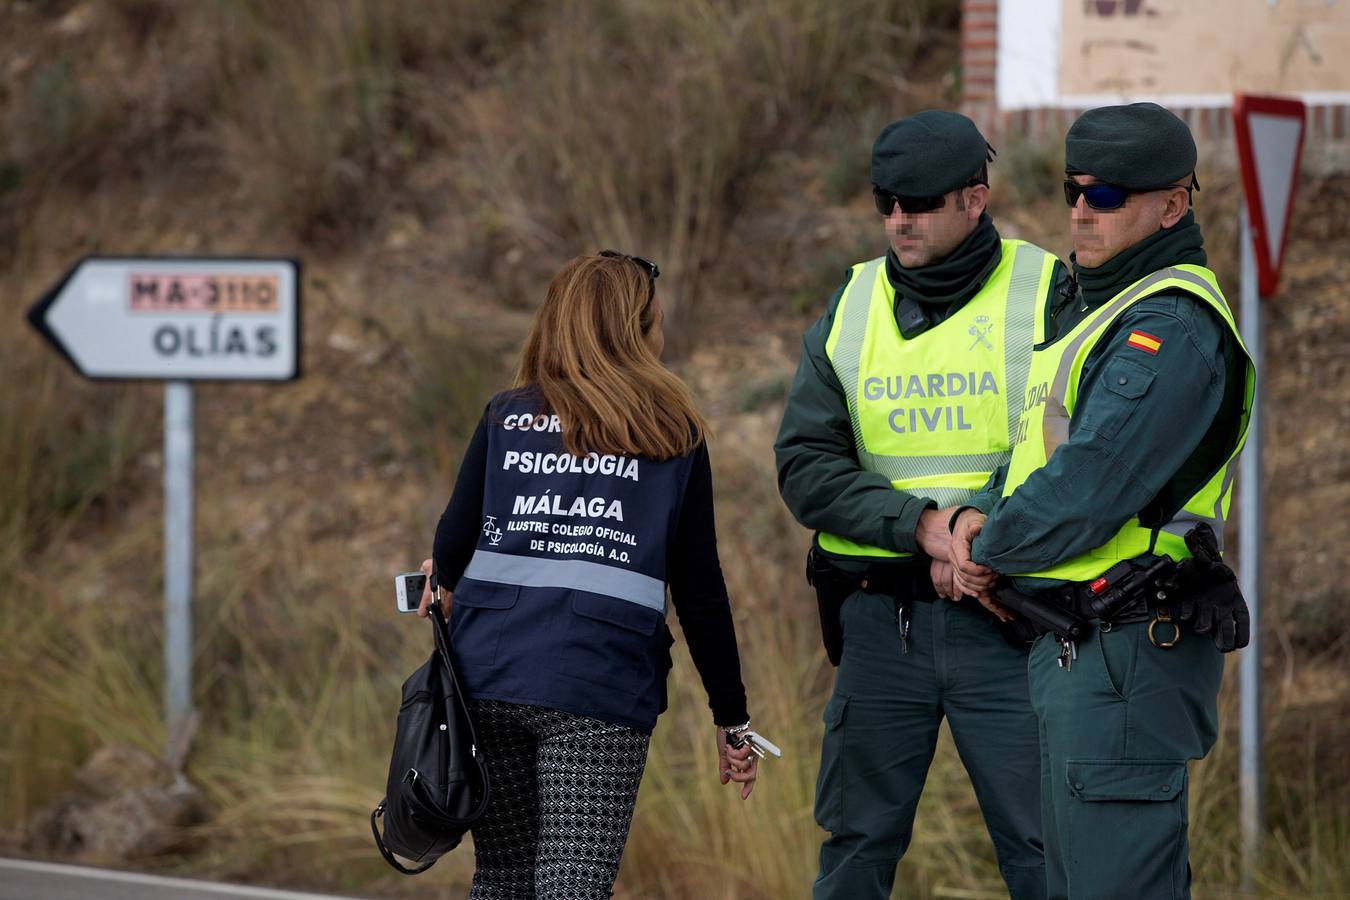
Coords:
1052,393
935,414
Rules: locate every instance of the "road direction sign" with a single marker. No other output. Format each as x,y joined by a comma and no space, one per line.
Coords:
176,318
1270,144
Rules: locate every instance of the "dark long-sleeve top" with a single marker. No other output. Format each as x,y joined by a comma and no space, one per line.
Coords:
694,571
1127,452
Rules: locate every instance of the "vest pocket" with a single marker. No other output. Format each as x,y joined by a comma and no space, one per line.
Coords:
477,616
665,662
610,642
626,615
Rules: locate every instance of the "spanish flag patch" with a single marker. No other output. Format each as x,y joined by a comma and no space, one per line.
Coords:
1142,340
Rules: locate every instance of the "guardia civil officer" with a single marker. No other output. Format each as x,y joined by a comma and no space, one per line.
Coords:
585,492
901,407
1136,408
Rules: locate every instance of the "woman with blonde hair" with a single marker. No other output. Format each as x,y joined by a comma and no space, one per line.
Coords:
584,494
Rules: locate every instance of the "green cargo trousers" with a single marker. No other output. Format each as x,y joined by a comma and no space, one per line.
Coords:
1116,732
881,729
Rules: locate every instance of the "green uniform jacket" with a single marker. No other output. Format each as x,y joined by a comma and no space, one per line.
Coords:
1123,456
818,472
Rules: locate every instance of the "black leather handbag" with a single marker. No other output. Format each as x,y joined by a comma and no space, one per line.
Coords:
438,778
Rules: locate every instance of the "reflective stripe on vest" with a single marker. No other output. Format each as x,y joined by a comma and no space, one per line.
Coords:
574,574
1050,399
941,450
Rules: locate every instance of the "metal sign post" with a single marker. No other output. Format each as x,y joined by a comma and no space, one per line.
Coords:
1269,133
1250,539
178,320
178,530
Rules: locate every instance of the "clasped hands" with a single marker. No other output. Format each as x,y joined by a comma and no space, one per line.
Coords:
953,572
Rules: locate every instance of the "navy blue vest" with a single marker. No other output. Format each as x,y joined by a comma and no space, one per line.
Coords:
563,603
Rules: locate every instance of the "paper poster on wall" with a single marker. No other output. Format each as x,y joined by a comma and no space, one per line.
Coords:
1082,53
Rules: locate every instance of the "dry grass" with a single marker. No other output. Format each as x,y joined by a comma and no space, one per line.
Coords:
655,145
296,677
297,712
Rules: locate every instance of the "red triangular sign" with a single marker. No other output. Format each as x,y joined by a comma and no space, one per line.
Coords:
1269,134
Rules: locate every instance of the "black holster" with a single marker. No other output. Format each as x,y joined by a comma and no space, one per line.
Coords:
1043,615
832,589
1019,631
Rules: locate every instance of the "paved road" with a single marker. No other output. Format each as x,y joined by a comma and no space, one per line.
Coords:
26,880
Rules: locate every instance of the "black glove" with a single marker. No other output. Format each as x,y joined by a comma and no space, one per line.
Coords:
1209,594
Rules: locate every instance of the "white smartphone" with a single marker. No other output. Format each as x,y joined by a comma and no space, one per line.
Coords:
408,588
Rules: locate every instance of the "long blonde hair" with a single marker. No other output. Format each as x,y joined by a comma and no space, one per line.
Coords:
587,356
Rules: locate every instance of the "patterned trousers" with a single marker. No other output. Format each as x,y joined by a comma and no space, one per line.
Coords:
562,794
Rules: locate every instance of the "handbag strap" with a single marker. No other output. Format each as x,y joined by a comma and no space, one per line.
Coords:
442,633
384,851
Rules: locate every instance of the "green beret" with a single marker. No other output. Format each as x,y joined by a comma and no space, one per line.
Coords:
928,154
1139,146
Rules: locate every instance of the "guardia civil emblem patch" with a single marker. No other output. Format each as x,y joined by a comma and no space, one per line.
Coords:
980,331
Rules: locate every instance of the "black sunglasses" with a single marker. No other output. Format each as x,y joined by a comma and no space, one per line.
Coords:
886,201
652,269
1102,196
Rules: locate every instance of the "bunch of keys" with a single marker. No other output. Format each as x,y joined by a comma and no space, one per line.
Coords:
759,744
1068,652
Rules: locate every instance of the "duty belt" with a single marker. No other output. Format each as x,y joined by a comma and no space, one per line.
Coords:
903,581
1127,592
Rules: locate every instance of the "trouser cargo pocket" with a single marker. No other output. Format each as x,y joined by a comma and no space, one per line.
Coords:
1127,829
830,781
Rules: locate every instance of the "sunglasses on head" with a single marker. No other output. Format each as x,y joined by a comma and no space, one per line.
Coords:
1102,196
886,201
652,269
